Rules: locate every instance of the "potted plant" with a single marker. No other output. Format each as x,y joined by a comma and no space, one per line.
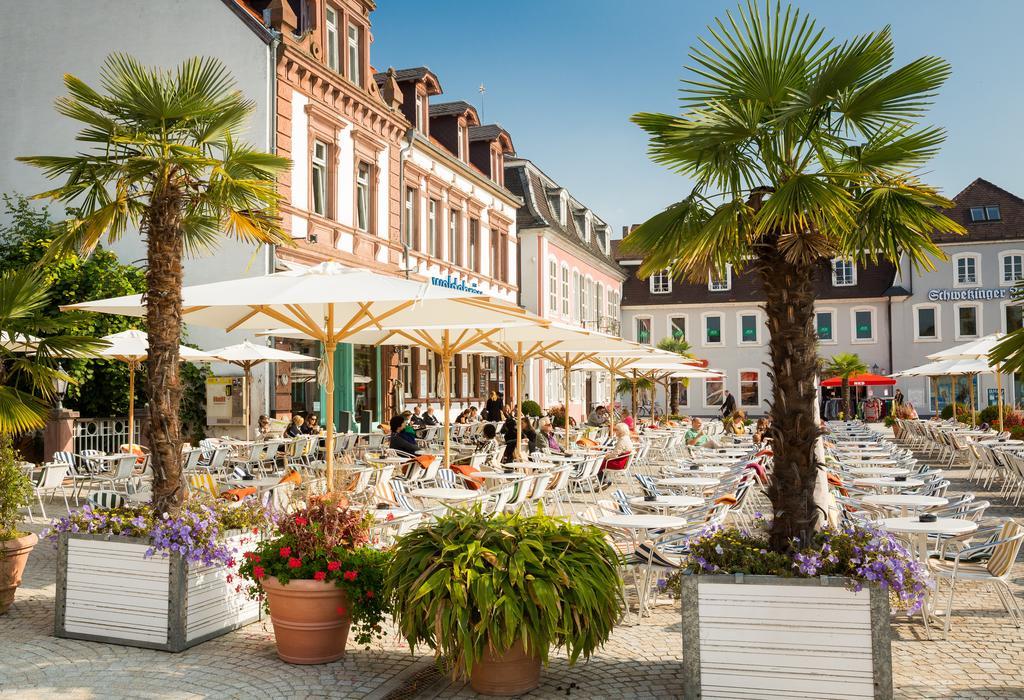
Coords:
810,618
133,576
492,594
15,545
318,576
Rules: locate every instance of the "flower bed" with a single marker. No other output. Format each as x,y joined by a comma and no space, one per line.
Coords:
127,576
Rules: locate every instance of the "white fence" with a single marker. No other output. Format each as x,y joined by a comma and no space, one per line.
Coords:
104,434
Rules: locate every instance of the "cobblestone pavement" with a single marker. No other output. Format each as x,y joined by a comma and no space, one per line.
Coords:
984,657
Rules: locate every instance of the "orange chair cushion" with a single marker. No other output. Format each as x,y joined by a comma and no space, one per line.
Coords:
617,463
135,450
425,460
238,494
475,481
586,442
292,477
765,453
727,500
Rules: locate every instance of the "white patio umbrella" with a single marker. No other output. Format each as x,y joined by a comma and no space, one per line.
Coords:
953,368
132,347
247,355
656,366
978,350
18,342
328,303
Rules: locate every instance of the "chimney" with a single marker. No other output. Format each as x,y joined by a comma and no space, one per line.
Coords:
282,17
390,90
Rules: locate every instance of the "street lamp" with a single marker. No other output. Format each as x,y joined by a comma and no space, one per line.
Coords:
875,368
60,386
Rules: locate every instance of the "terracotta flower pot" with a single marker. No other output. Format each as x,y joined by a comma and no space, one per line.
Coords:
13,558
308,626
513,672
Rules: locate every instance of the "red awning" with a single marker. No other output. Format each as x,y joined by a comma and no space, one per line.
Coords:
861,380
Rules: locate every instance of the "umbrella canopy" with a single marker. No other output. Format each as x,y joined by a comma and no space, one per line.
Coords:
971,350
327,302
18,342
947,368
247,355
132,347
866,379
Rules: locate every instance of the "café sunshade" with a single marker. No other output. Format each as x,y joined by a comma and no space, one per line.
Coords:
328,303
978,350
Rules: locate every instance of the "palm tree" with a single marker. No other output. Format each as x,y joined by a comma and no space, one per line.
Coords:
801,150
30,365
845,365
680,347
163,158
634,386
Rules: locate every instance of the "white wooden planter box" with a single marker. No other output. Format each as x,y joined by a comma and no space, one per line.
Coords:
108,591
772,637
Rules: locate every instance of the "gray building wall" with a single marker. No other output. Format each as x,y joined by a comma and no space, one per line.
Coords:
42,40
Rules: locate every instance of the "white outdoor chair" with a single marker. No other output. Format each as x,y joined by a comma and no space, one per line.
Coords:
49,482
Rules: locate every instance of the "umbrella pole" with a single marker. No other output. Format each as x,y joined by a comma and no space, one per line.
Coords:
970,389
519,400
246,378
999,395
329,347
131,405
935,391
446,361
565,377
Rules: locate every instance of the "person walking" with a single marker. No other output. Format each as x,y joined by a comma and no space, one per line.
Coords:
897,398
728,405
493,408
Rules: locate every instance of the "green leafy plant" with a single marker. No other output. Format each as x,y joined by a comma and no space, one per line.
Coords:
15,490
327,542
532,409
469,582
193,401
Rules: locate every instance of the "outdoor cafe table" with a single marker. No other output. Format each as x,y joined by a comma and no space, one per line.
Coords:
434,493
261,485
688,483
701,469
640,525
920,532
878,471
664,504
905,502
870,461
886,483
531,466
499,476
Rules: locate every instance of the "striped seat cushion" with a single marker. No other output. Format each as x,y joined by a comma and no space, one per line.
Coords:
106,499
1003,555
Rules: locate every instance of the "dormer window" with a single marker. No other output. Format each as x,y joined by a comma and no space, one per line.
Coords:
462,141
721,283
355,53
419,113
581,225
557,205
661,282
331,30
844,273
987,213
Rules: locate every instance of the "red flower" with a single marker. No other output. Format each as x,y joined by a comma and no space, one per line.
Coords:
391,516
230,578
300,521
341,611
252,555
333,565
257,571
351,575
286,551
294,563
255,530
319,575
369,594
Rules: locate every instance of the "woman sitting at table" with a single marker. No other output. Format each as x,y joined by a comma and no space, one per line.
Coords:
509,430
400,437
618,456
736,424
310,427
263,429
294,428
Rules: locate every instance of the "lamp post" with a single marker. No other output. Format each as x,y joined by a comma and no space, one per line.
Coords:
60,387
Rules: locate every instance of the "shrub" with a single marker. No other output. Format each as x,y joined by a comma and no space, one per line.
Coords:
532,409
15,490
470,581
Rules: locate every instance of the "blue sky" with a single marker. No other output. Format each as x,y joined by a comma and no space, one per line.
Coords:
563,77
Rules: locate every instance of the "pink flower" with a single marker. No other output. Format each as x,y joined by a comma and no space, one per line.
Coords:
286,551
351,575
319,575
333,565
369,594
294,563
257,571
300,521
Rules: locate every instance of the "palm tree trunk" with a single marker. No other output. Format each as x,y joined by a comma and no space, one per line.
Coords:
164,277
789,307
846,398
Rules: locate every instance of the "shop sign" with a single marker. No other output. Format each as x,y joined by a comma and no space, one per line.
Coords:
450,282
967,294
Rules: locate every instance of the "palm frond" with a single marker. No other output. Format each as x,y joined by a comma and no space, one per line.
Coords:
21,412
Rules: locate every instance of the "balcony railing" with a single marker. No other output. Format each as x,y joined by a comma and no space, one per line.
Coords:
604,324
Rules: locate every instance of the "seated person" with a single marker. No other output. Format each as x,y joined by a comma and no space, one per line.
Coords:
761,429
263,430
548,440
617,456
598,416
695,435
628,420
416,418
294,428
736,424
400,437
429,419
311,427
509,431
473,416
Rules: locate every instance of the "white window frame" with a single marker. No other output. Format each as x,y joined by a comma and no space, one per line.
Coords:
461,136
354,46
721,394
432,206
321,163
598,302
411,228
1003,306
650,329
739,388
834,313
853,272
661,282
454,231
918,338
978,316
1002,261
976,258
363,198
552,285
984,213
419,112
331,31
575,296
739,326
566,292
853,326
704,329
712,287
686,325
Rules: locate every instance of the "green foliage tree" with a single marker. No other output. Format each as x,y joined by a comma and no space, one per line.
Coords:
98,386
161,157
801,149
845,365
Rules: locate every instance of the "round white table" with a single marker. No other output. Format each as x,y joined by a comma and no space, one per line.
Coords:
442,494
879,482
529,466
905,502
701,481
262,484
870,462
641,521
701,470
878,471
500,476
920,532
387,460
663,504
